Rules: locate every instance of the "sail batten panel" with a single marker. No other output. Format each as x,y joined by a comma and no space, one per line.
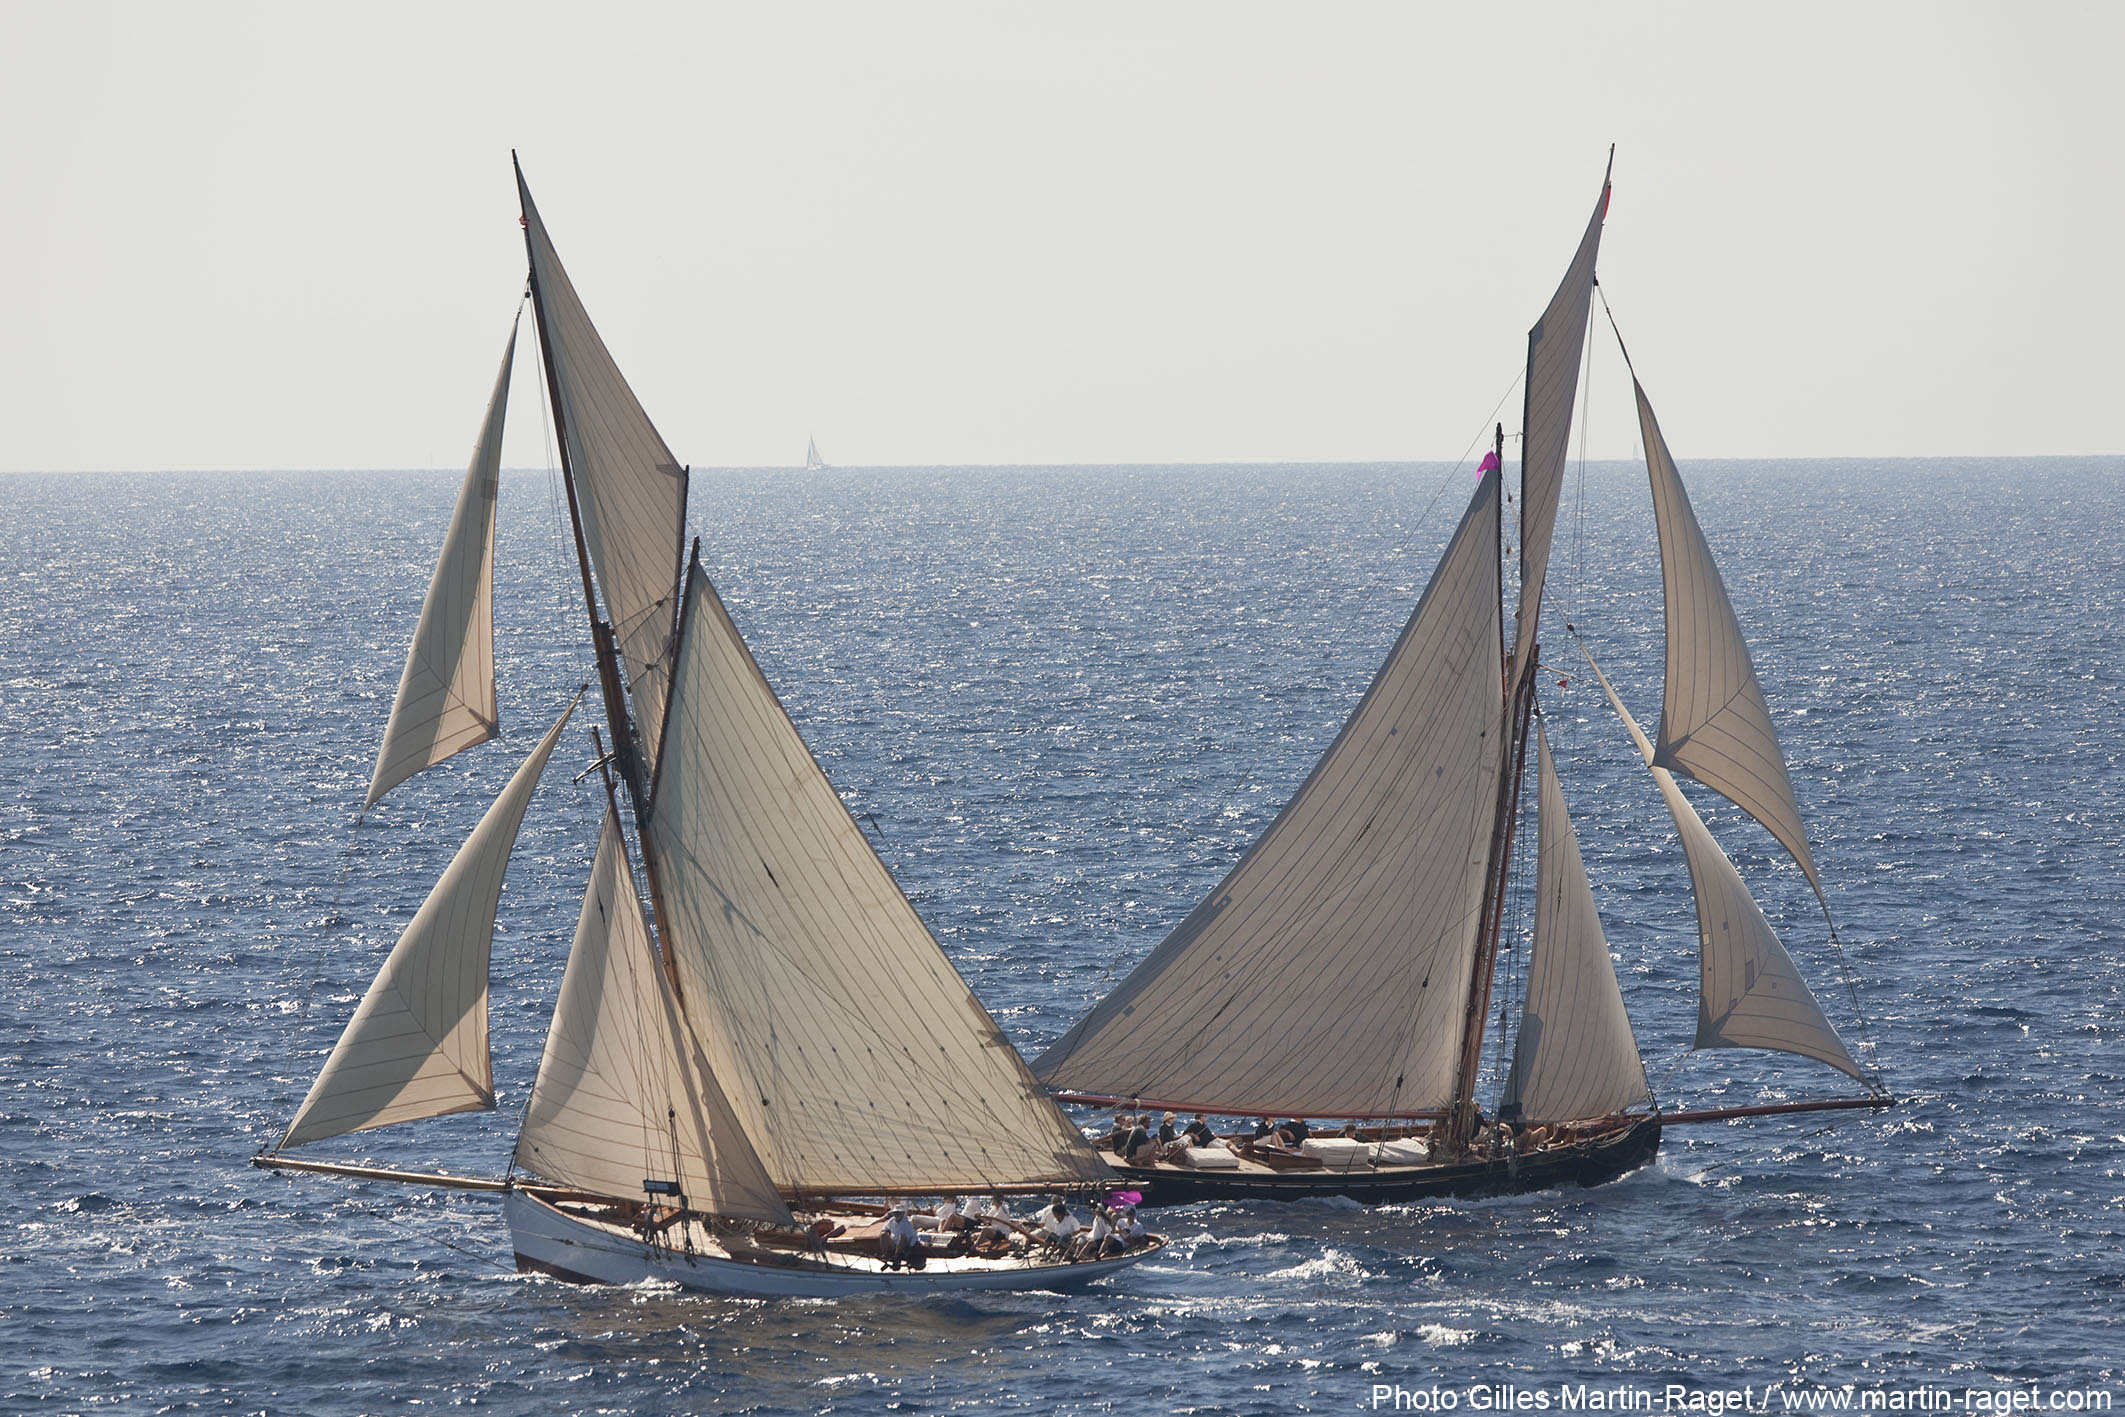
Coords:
630,490
1554,348
1574,1055
1715,725
852,1053
1750,993
623,1095
446,698
1328,972
417,1044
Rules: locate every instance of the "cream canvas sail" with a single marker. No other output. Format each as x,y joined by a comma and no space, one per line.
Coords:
852,1053
1574,1055
1714,723
629,487
1554,347
1750,993
622,1094
417,1045
1329,972
446,700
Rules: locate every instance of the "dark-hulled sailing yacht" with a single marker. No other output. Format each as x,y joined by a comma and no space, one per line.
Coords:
1344,969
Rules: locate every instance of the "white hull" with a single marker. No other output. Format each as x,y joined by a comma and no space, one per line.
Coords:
551,1241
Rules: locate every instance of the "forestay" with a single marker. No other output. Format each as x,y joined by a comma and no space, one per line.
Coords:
853,1055
623,1094
1750,992
1554,347
417,1045
1714,723
1574,1056
1328,973
630,489
446,700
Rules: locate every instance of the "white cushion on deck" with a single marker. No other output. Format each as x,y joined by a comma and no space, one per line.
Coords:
1409,1152
1209,1158
1337,1153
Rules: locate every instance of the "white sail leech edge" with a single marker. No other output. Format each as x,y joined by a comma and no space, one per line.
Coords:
1334,959
446,697
417,1044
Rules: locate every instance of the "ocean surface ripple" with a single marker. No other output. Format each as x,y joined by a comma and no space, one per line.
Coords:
1061,700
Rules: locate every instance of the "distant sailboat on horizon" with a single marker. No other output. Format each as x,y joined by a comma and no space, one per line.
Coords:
812,461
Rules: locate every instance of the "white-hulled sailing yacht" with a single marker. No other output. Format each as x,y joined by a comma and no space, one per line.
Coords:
737,1078
1344,968
812,461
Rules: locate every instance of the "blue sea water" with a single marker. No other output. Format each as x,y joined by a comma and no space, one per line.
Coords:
1062,700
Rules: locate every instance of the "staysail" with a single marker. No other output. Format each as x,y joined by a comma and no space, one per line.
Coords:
853,1055
1328,973
1750,994
622,1096
1554,347
629,487
1574,1055
446,700
417,1044
1714,723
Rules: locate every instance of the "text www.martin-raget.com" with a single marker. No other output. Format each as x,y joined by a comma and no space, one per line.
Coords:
1780,1398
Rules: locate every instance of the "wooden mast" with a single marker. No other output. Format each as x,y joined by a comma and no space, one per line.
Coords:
1519,685
624,753
623,736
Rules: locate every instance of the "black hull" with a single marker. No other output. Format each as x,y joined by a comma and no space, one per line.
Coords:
1591,1164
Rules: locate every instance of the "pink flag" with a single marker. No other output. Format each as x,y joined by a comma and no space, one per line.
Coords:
1490,462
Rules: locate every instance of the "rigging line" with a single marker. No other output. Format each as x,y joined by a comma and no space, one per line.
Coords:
1620,345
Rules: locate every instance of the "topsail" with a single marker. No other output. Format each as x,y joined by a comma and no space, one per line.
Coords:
1554,347
446,698
630,489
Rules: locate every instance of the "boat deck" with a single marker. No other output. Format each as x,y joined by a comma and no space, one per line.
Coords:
853,1252
1589,1158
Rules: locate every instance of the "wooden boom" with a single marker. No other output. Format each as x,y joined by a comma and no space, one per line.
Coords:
273,1161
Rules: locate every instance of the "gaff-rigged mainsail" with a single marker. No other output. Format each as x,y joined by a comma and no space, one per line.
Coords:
629,489
1750,994
417,1044
623,1095
1714,723
1328,973
446,700
1574,1055
853,1055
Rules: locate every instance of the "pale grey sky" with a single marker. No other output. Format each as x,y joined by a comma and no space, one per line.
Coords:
251,236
